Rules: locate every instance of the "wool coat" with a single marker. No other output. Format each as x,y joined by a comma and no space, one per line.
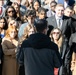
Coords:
10,66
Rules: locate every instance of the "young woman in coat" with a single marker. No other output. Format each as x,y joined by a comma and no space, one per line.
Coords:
59,39
9,45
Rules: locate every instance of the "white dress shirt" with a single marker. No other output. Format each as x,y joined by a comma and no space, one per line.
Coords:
61,21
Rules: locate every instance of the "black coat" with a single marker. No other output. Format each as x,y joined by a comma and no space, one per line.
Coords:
39,55
65,56
73,23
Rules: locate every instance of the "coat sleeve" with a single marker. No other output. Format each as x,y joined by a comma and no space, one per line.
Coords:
57,62
6,50
20,54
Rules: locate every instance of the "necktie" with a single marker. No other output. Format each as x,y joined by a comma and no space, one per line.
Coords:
59,23
0,10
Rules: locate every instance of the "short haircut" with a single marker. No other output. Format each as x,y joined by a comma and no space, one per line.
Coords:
40,24
53,2
30,13
69,7
36,1
59,5
41,9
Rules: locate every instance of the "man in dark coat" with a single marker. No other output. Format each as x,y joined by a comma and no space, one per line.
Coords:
38,54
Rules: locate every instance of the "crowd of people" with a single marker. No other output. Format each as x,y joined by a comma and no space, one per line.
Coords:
38,37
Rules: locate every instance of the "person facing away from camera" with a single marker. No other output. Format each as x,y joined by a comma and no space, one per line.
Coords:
38,54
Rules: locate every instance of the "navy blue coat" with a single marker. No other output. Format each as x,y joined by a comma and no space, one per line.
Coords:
39,55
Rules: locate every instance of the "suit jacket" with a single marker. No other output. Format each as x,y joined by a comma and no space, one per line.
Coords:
66,29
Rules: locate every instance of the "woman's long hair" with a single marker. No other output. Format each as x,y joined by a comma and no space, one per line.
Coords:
6,11
60,39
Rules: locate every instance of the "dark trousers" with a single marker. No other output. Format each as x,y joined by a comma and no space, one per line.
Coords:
21,70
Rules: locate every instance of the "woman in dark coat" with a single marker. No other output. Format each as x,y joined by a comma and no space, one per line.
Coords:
59,39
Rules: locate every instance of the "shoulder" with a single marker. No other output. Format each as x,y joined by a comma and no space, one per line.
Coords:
50,18
4,39
25,44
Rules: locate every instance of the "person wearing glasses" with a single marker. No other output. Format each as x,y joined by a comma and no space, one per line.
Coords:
10,12
63,48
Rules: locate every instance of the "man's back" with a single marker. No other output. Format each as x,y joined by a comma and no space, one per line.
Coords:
39,55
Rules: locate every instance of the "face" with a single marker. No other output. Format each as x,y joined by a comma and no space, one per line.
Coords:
30,19
2,23
59,11
10,12
13,34
31,31
36,5
42,15
52,6
16,7
68,12
1,2
56,34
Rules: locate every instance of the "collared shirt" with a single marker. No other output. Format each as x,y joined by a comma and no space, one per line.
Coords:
61,21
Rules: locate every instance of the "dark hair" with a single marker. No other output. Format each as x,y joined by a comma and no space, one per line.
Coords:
69,7
37,1
40,24
6,25
53,2
42,9
30,13
6,11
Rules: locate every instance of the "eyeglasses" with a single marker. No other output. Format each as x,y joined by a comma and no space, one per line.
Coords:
11,11
55,33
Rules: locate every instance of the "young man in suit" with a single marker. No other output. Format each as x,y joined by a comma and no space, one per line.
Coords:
38,54
60,21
